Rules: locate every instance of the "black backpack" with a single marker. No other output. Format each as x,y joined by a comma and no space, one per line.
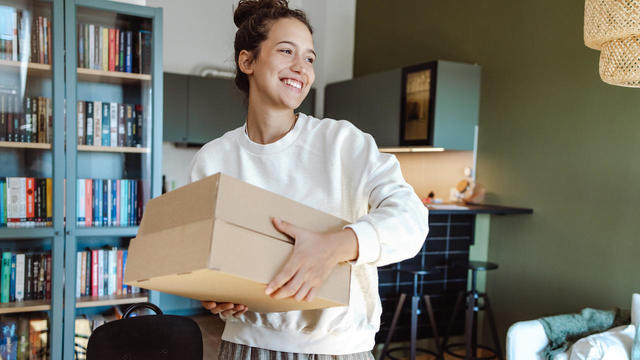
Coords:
165,337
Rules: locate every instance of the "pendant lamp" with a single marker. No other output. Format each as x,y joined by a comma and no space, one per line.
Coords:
613,27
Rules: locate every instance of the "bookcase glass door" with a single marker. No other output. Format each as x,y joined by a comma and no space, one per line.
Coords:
26,114
112,160
31,178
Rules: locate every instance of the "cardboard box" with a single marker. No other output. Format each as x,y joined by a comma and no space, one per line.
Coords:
214,240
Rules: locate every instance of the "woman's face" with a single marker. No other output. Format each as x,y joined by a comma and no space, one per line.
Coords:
282,74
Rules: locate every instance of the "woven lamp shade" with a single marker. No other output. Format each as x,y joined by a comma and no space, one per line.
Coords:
613,27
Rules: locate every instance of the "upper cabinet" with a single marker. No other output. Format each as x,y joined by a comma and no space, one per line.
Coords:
200,109
433,104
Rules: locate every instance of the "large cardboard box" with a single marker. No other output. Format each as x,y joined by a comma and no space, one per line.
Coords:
214,240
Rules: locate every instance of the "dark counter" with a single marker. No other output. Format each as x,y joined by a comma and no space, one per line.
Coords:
453,208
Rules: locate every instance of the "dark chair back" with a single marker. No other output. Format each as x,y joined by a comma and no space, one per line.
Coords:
166,337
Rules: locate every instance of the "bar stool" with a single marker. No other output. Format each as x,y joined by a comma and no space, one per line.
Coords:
471,322
415,311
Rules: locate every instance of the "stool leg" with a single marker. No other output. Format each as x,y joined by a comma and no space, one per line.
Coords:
415,300
492,323
468,328
454,316
394,322
432,322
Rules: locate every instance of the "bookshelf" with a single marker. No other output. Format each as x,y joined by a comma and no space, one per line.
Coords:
131,164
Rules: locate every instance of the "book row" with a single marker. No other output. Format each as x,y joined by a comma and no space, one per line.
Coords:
100,272
24,36
109,124
25,276
109,202
24,337
26,202
112,49
30,120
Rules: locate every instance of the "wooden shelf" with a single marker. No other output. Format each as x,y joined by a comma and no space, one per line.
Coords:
111,76
25,306
33,68
116,149
23,145
109,300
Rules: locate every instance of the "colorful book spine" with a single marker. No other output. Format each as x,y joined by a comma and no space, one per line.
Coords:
12,285
81,123
5,282
3,202
106,127
97,127
49,200
88,202
78,274
20,276
81,200
94,272
89,121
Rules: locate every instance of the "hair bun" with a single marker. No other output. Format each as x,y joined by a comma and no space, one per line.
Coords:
248,8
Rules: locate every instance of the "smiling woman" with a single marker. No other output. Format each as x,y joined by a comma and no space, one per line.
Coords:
326,164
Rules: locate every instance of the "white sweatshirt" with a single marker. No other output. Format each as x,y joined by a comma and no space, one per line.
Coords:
332,166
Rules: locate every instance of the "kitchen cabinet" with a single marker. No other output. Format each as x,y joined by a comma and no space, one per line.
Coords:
199,109
432,104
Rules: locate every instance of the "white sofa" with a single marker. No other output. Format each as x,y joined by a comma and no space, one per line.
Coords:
526,339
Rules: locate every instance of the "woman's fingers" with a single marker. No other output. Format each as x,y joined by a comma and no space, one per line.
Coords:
311,295
208,304
284,276
290,288
303,291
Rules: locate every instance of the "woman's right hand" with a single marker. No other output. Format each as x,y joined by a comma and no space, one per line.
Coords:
226,309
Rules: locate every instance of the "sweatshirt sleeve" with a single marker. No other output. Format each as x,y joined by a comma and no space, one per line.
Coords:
397,223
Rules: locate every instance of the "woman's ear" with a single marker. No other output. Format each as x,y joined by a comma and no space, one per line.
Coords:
245,62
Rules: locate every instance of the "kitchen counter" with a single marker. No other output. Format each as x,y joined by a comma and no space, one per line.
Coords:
461,208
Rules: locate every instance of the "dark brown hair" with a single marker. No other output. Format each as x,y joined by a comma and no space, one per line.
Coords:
253,19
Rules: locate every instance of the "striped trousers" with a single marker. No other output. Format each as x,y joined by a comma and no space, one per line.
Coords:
231,351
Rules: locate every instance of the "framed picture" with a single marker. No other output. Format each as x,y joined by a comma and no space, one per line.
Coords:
417,104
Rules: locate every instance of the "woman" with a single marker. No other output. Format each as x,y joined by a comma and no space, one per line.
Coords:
327,164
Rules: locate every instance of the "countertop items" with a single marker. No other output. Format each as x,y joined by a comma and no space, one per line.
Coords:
453,208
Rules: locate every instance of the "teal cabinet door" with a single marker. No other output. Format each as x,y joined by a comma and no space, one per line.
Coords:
174,122
215,106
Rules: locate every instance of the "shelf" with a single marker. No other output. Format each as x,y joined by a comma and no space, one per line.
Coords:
109,300
25,306
23,145
121,231
33,68
111,76
26,233
116,149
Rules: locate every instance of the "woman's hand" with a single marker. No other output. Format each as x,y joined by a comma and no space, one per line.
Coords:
314,256
227,308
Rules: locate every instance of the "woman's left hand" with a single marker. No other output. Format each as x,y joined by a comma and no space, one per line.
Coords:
314,256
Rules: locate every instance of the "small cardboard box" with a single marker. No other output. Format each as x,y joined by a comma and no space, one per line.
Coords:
214,240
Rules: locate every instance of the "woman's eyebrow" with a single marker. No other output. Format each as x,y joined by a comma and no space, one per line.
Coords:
296,46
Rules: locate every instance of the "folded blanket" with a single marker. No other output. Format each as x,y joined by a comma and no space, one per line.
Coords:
564,330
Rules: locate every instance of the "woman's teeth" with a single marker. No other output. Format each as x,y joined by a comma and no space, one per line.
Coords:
294,83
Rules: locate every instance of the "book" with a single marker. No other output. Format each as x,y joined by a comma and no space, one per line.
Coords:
28,275
78,274
119,272
88,202
129,120
94,272
80,45
128,51
3,118
106,127
92,53
5,282
12,284
16,201
30,202
112,271
112,49
109,203
81,123
20,275
3,202
48,274
89,121
104,49
8,338
83,273
104,195
80,199
113,122
101,267
138,139
49,200
27,117
122,133
23,338
97,127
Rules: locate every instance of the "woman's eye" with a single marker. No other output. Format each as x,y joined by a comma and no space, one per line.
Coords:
287,51
311,60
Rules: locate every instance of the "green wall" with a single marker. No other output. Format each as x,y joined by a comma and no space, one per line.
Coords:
552,137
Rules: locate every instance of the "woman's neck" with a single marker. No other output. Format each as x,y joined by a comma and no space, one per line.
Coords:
268,126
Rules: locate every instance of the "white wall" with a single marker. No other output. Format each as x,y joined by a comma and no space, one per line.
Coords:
199,34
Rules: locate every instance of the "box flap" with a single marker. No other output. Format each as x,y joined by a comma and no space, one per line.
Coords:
237,205
184,205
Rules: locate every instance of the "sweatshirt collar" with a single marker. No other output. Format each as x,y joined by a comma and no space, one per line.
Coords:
274,147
